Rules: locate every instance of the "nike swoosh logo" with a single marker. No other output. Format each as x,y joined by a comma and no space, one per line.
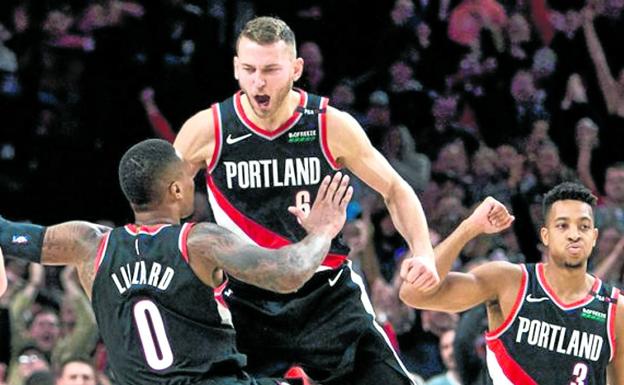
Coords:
530,298
332,282
230,140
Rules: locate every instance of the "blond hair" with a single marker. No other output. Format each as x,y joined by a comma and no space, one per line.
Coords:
267,30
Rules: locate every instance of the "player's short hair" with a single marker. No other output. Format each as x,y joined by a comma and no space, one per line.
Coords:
141,170
567,191
267,30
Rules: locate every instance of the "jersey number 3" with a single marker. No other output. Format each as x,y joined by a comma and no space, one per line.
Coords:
579,374
153,335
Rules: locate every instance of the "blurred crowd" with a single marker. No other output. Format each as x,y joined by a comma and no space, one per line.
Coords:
465,98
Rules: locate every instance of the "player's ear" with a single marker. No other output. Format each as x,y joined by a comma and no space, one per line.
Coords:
297,68
545,236
235,64
175,190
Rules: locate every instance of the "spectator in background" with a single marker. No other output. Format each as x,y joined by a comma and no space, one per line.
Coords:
76,371
451,376
313,77
41,377
44,329
610,210
29,360
399,148
378,117
608,262
612,88
487,179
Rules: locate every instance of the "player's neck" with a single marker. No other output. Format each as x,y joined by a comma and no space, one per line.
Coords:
276,119
150,218
569,284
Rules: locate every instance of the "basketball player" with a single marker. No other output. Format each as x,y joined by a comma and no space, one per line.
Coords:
549,323
156,286
265,149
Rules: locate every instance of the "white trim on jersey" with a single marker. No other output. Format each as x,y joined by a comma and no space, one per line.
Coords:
181,236
611,338
103,253
369,309
217,156
511,318
494,370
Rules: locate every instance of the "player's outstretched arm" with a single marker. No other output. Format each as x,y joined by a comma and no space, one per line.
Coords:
489,217
196,140
68,243
461,291
3,277
282,270
616,367
351,148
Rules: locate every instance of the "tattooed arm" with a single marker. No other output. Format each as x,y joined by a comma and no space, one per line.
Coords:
74,243
283,270
70,243
212,248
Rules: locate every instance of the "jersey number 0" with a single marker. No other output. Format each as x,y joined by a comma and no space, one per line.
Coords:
153,335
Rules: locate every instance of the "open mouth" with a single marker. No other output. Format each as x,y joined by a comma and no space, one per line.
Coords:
262,100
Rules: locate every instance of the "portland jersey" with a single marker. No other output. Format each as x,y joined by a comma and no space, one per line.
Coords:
159,322
544,341
255,175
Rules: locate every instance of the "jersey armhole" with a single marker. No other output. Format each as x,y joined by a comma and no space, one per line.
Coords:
183,238
101,250
216,153
611,316
323,133
494,334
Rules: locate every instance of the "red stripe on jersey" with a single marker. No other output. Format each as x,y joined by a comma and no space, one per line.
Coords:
216,118
515,309
100,251
186,229
581,302
283,127
144,229
323,132
258,233
611,327
513,371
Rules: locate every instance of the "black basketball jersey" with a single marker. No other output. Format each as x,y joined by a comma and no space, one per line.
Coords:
159,322
547,342
255,175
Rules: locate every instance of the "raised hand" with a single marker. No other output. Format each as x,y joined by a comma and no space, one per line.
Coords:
329,210
490,217
420,272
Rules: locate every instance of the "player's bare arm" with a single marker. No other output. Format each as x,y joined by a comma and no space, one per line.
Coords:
489,217
282,270
616,368
460,291
351,148
70,243
196,140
